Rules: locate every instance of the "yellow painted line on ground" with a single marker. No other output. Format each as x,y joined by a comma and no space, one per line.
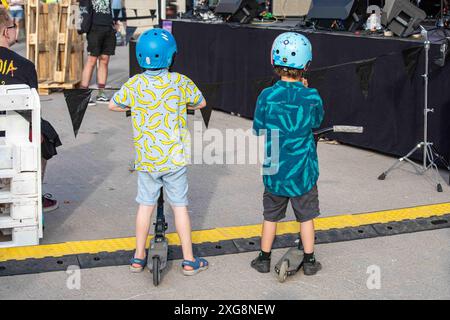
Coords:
226,233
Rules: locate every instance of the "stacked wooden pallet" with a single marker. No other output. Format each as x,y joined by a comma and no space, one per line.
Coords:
54,45
20,169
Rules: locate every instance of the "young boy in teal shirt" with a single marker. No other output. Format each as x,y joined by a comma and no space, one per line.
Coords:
288,111
158,100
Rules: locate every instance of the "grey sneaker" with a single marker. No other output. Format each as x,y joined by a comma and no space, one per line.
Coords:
92,102
102,98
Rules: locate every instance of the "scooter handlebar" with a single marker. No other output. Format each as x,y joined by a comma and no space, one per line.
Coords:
338,129
348,129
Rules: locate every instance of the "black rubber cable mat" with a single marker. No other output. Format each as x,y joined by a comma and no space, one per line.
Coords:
208,249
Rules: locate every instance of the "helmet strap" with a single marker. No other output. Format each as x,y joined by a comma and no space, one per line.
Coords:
173,61
307,66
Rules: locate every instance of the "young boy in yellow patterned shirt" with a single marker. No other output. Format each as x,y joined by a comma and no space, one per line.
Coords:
158,100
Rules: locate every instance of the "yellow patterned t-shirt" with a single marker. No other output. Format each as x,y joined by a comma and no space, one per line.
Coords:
158,102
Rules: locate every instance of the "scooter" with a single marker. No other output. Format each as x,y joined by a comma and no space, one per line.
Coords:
292,260
159,245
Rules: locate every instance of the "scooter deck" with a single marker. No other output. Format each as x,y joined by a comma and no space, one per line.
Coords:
295,258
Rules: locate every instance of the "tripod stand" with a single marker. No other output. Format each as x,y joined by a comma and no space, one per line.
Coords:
430,156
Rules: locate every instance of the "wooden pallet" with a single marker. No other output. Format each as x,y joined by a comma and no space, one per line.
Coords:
47,87
54,45
32,15
69,45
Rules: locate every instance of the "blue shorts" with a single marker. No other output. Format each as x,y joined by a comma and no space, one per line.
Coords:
175,185
16,14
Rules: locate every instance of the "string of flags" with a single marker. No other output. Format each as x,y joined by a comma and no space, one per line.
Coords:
77,99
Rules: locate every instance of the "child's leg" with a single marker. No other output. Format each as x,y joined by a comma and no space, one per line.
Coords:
143,220
307,235
306,209
176,187
268,235
147,196
274,210
262,262
183,226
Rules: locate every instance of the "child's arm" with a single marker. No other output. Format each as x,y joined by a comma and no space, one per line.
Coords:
115,107
201,105
194,97
122,100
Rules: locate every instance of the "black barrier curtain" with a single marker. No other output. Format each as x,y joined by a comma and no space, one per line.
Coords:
375,83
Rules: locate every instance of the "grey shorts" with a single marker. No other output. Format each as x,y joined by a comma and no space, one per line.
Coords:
306,207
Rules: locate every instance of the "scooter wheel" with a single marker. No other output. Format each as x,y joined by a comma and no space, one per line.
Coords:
282,274
156,271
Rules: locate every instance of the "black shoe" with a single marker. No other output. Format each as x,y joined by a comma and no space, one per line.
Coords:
261,265
311,268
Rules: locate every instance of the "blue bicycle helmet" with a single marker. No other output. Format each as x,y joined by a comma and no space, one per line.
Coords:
155,49
291,50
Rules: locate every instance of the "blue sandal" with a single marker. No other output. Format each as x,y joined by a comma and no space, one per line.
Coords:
196,265
141,262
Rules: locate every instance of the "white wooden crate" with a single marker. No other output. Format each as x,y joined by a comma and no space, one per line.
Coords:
24,184
15,159
20,236
19,209
20,167
6,157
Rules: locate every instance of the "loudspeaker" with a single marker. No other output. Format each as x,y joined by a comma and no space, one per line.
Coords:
331,9
290,8
401,17
338,14
242,11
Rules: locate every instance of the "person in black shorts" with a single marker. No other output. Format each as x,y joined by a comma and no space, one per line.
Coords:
286,113
23,71
101,40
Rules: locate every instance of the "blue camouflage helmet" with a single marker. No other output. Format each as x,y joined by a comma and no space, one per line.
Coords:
155,49
291,50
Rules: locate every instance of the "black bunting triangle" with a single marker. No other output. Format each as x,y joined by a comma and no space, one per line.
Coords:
209,91
364,70
77,101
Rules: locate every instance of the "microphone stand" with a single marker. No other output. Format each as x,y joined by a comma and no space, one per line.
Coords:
429,156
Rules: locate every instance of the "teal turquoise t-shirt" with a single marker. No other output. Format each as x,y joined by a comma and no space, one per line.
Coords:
287,113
